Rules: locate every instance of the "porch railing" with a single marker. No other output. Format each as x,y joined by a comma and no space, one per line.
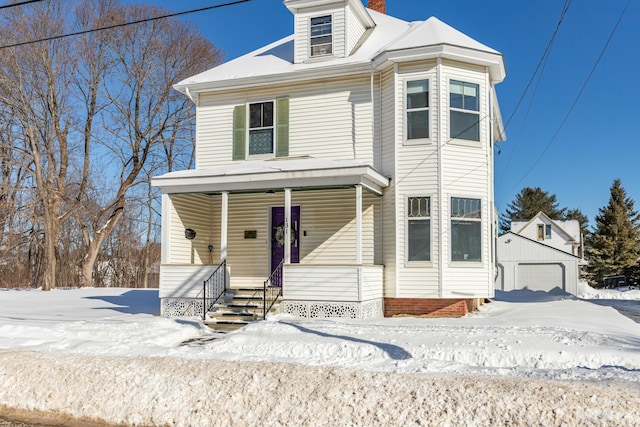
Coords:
214,287
272,289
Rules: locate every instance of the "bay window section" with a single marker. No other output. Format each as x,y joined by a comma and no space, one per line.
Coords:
466,229
464,111
417,106
261,128
419,229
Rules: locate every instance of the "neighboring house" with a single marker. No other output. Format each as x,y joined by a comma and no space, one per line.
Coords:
372,138
540,254
560,234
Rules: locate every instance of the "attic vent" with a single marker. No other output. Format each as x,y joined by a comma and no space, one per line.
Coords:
378,6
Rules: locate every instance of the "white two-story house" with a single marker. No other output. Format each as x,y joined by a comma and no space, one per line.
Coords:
353,160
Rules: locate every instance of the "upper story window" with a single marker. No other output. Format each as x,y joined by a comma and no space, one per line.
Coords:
466,229
418,229
417,107
321,40
464,110
544,231
261,128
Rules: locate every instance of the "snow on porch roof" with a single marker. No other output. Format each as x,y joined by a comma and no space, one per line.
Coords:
271,174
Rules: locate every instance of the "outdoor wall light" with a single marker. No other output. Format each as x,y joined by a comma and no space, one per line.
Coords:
190,233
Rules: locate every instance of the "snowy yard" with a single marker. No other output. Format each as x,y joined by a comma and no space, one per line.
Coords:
527,357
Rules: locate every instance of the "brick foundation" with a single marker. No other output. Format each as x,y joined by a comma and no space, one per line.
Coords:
428,307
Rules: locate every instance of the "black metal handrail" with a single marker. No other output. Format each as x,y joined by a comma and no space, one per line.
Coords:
272,289
214,287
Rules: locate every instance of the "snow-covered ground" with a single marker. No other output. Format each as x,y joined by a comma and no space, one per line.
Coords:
528,357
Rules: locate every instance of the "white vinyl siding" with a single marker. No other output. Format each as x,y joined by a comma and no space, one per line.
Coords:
327,230
355,30
527,263
465,172
302,31
332,283
193,211
334,123
416,175
184,281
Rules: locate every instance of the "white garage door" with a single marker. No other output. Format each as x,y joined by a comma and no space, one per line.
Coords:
540,277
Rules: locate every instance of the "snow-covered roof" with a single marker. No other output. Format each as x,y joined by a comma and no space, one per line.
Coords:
272,174
391,39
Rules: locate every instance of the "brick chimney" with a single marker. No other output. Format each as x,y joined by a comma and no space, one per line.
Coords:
378,5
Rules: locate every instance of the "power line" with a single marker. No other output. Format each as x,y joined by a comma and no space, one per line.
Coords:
577,98
124,24
541,63
19,3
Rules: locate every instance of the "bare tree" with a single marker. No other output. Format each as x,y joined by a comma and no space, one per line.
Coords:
78,106
144,110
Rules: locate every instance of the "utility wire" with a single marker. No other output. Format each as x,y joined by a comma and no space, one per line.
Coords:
124,24
577,98
19,3
541,63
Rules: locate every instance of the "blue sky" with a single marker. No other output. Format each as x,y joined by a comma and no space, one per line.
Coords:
598,142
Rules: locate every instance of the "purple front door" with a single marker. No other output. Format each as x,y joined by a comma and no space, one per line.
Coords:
277,235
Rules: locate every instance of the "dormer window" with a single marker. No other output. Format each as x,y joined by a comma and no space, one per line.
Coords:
321,40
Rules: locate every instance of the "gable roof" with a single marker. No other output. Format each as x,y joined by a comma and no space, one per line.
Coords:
391,40
554,223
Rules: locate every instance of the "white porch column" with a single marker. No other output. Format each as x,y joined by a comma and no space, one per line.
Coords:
358,224
287,226
224,219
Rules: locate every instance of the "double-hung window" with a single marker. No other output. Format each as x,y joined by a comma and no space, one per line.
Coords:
417,106
464,108
466,229
419,229
261,128
321,40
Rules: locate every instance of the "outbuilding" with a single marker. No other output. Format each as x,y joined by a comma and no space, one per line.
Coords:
524,263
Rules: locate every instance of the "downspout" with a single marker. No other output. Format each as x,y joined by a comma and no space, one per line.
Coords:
441,216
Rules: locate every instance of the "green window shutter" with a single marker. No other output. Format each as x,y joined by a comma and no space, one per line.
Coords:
239,132
282,127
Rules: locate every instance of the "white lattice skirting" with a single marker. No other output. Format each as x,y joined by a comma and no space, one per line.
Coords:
181,307
354,310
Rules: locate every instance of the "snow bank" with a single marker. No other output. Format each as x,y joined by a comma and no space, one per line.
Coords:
181,392
587,292
103,354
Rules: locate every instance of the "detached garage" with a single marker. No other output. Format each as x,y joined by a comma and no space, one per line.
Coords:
527,264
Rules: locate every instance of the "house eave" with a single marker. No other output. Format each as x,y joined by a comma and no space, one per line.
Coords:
298,177
494,61
339,70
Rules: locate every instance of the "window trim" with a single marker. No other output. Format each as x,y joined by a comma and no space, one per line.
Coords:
418,263
273,127
311,37
464,141
481,220
406,110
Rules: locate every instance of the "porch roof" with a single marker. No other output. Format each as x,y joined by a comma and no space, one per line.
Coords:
272,174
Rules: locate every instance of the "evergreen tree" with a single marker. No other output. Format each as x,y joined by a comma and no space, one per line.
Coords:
614,246
527,204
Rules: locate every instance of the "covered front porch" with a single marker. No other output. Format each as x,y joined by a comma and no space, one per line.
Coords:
319,222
